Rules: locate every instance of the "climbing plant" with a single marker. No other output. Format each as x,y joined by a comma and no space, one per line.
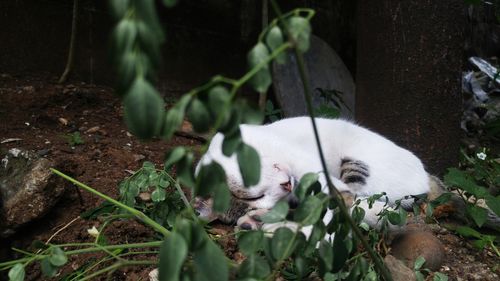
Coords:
185,250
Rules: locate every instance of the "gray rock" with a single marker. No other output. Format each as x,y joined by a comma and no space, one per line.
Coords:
399,271
326,71
28,189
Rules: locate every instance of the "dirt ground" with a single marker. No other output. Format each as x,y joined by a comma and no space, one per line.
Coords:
41,113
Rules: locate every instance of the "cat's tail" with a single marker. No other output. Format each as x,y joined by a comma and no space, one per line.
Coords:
455,207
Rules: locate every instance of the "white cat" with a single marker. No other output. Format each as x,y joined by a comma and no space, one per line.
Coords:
359,161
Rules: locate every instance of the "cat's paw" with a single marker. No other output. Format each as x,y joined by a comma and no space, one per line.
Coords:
251,220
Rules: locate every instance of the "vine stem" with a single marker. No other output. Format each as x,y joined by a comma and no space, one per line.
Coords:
117,265
333,191
94,248
138,214
71,52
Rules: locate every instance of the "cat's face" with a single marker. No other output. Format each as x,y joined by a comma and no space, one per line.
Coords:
275,184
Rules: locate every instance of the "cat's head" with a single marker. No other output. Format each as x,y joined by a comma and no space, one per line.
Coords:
276,182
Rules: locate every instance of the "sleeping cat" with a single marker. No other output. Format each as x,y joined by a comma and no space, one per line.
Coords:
360,162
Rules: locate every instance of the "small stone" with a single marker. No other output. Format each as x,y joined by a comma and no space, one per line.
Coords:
92,130
63,121
145,197
399,271
103,132
28,89
43,152
138,157
412,244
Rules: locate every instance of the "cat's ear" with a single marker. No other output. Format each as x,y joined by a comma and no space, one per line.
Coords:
281,168
287,183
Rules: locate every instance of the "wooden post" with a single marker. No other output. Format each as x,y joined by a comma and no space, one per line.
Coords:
408,82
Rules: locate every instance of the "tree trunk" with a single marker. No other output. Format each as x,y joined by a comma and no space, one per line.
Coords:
408,80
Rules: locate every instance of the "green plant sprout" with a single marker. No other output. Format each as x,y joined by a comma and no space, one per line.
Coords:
74,139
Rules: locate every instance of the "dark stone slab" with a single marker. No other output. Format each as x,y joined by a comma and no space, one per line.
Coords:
326,71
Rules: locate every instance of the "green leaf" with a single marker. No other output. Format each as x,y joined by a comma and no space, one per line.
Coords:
494,204
231,124
262,79
277,213
419,276
209,177
250,115
394,217
48,269
148,166
174,156
158,195
105,208
250,242
175,116
281,247
442,199
254,266
210,263
299,29
274,39
358,214
164,181
125,35
149,40
183,228
326,255
418,263
212,183
317,234
221,197
468,232
231,143
144,109
199,116
173,252
340,253
185,170
306,182
309,211
218,99
119,7
198,237
129,66
302,266
169,3
460,179
16,273
478,214
58,257
249,162
438,276
480,244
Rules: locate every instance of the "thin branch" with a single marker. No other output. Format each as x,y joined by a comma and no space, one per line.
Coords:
333,191
138,214
71,53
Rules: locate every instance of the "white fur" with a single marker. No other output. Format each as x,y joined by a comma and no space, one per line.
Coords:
288,149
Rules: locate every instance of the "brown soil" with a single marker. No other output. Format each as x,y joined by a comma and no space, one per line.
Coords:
41,113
